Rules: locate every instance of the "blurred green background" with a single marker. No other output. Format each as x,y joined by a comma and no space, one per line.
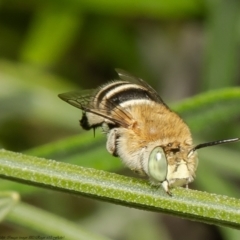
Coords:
181,47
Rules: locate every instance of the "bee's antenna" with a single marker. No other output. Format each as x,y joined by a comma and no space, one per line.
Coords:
208,144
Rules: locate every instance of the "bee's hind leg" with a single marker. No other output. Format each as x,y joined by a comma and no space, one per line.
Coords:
111,145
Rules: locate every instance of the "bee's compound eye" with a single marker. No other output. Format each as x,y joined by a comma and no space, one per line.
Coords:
157,164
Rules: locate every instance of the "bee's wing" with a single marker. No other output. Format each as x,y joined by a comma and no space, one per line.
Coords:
85,100
124,75
79,99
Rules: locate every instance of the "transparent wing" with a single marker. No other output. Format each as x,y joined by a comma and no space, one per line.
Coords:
124,75
85,101
79,99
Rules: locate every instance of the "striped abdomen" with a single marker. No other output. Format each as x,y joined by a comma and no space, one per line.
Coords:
110,98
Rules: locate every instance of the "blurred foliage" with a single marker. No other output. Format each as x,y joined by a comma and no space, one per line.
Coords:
180,47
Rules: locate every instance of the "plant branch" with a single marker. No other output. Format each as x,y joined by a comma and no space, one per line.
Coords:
189,204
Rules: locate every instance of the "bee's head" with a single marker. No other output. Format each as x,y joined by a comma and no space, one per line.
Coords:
171,169
177,168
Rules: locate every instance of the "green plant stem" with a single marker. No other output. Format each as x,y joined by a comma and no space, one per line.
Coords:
193,205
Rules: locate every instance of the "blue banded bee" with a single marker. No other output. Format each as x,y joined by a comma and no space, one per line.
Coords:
149,138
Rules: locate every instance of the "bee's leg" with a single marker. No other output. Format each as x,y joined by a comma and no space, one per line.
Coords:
112,142
165,186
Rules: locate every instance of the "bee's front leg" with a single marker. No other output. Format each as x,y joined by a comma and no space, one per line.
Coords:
111,145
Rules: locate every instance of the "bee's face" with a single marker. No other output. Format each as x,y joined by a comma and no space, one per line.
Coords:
170,168
149,138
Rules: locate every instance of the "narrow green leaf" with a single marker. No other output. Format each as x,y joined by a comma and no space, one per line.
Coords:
65,147
51,34
213,181
36,99
222,159
8,201
194,205
49,224
210,108
83,149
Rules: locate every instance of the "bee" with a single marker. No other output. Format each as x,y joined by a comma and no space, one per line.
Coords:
149,138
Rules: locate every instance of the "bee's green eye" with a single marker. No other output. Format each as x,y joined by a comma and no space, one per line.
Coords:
157,164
